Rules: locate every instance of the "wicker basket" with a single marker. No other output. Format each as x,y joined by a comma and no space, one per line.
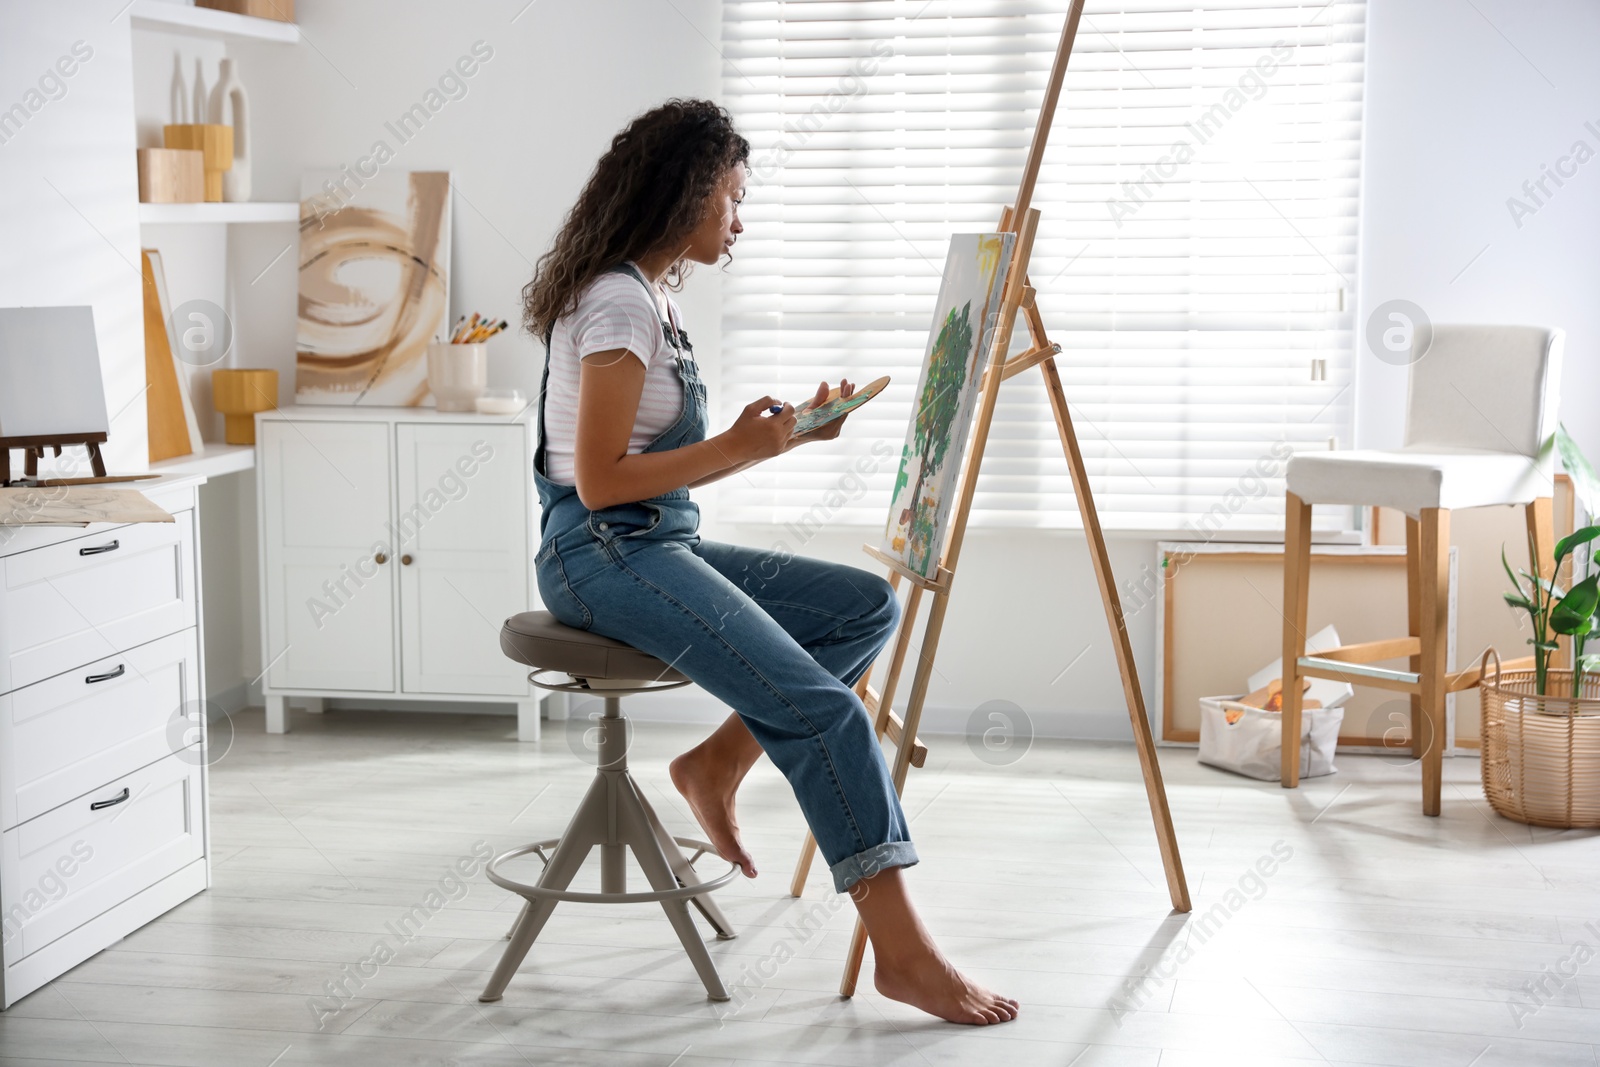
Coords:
1541,755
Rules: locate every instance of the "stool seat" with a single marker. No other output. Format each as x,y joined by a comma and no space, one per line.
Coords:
1409,480
538,639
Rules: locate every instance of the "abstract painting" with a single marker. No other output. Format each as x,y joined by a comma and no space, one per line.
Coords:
374,285
964,324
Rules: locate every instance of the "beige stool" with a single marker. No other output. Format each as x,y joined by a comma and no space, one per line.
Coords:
1480,426
614,815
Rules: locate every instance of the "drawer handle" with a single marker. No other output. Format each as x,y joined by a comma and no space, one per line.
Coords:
95,550
122,668
113,802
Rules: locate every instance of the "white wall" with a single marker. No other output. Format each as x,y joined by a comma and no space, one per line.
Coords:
69,232
1462,108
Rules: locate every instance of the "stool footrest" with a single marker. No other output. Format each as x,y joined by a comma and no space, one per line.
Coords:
1365,674
534,892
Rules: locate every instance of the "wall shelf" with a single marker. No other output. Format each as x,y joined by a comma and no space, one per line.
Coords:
171,17
256,211
216,458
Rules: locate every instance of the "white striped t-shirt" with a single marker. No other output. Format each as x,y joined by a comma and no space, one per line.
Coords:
614,312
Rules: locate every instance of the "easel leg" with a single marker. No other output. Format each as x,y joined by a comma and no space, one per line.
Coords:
853,959
1155,789
802,867
902,757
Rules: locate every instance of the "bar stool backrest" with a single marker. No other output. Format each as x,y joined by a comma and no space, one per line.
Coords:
1484,387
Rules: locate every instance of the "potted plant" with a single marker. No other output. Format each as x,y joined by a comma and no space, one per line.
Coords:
1541,727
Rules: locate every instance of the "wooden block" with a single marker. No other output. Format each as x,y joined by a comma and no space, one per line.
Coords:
168,430
213,139
282,10
171,176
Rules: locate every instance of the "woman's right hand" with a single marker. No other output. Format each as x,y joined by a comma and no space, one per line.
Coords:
757,435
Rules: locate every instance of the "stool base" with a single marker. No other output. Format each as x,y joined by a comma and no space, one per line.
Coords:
614,815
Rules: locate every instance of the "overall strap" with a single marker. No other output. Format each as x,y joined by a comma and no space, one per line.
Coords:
669,326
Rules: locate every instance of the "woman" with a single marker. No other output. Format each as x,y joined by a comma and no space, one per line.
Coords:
622,440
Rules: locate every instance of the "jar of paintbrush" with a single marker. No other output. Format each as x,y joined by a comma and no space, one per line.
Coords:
458,369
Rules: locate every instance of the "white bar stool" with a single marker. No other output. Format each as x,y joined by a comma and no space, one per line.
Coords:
1480,425
614,814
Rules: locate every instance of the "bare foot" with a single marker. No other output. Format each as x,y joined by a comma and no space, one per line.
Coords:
939,989
708,783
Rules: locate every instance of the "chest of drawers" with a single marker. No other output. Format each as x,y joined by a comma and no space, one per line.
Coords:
102,734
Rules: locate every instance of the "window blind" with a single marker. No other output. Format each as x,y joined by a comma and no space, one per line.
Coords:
1195,256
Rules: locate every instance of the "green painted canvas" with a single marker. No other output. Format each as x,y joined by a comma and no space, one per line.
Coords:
964,323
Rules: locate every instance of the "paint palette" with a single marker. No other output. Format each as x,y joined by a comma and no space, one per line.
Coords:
808,418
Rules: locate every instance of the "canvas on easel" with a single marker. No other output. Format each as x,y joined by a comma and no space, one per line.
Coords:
51,393
964,322
1018,301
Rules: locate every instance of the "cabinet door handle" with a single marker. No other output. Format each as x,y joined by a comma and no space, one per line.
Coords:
95,550
405,560
113,802
122,668
380,558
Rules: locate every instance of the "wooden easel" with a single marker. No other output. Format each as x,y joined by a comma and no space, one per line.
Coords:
36,446
1018,297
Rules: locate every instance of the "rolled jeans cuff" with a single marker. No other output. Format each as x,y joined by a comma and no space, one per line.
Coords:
850,870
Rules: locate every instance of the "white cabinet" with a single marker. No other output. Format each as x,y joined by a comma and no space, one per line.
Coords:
326,506
465,514
102,737
394,544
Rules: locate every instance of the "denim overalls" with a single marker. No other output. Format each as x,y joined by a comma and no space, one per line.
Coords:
779,637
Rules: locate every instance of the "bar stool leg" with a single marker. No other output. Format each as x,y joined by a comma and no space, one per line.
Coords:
1296,588
1414,628
685,874
647,850
1433,559
526,904
564,863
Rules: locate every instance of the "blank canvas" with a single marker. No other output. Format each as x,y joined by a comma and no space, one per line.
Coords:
50,381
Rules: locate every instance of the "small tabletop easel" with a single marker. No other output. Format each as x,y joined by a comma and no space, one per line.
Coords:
36,446
1022,220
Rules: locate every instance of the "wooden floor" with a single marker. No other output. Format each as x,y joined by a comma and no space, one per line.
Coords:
1383,937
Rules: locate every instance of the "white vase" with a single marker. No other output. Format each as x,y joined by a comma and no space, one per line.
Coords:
235,180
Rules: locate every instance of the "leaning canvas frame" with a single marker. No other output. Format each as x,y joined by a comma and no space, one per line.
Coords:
963,330
374,286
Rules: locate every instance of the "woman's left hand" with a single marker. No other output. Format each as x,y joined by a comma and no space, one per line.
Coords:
830,430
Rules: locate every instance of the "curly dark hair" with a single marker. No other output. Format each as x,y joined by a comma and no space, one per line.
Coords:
648,190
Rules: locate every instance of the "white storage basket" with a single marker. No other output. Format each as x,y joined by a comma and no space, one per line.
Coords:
1253,745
